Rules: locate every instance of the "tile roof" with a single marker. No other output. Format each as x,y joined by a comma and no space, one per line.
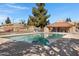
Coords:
60,24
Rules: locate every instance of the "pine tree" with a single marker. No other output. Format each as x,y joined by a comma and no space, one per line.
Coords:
40,17
31,21
23,22
68,20
8,21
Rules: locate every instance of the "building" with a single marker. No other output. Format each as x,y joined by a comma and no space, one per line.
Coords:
7,27
13,28
62,26
77,26
19,28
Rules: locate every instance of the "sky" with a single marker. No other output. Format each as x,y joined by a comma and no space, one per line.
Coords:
21,11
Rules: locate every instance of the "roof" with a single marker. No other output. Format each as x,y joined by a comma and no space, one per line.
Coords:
60,24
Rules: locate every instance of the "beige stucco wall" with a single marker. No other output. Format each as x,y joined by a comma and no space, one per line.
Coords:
72,29
31,29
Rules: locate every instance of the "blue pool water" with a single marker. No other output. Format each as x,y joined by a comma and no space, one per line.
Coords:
30,38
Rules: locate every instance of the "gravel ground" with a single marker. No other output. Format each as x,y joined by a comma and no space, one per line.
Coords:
62,47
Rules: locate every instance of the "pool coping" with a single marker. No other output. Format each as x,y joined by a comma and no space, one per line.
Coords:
15,34
7,35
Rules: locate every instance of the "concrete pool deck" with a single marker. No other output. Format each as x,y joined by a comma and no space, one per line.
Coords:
3,40
74,36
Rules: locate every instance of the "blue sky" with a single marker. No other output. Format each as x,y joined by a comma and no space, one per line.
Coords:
21,11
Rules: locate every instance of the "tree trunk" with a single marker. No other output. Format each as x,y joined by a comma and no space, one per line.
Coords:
42,28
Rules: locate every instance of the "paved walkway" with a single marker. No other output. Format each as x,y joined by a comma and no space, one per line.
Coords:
74,36
3,40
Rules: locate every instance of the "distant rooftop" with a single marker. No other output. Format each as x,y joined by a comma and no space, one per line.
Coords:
61,23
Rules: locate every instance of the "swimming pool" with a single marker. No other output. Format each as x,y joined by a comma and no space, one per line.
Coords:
33,38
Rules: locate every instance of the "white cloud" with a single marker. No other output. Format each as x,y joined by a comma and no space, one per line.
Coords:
5,11
16,7
10,8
